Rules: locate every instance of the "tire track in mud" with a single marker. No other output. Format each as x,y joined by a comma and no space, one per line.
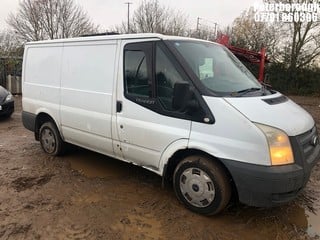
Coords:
75,231
23,183
139,225
13,230
72,228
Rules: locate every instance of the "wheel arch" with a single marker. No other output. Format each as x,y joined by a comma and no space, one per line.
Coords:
179,155
43,117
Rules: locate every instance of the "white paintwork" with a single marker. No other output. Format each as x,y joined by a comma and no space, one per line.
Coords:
78,82
287,116
125,37
232,136
41,79
144,134
87,77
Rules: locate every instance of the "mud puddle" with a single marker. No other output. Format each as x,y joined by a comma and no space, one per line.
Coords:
304,219
313,223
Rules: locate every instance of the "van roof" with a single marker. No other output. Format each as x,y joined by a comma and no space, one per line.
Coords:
113,37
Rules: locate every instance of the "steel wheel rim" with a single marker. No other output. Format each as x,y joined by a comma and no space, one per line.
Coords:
48,140
197,187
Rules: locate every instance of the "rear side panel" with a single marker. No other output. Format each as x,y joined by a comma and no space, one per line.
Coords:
86,94
41,79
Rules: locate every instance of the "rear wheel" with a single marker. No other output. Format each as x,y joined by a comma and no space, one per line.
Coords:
202,185
50,139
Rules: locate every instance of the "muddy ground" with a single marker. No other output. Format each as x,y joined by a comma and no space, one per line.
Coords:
85,195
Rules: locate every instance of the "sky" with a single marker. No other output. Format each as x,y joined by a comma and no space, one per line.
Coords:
108,13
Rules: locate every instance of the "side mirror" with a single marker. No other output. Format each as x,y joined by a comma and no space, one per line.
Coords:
182,96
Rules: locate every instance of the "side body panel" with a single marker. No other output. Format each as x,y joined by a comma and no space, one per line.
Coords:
144,134
232,136
87,79
41,79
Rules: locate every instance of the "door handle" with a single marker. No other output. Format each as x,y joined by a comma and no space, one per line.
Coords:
119,106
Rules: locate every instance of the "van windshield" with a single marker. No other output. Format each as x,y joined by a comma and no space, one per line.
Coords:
217,68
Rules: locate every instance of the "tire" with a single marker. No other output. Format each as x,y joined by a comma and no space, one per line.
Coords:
50,139
202,185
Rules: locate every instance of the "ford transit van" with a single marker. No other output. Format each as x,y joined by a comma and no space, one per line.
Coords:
184,108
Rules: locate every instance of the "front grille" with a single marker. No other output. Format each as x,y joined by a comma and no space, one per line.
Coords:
307,147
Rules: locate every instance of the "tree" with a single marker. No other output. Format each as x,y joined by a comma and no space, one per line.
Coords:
300,39
300,42
11,51
50,19
250,34
151,17
10,46
303,47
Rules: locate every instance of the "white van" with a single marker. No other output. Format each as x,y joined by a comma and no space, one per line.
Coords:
183,108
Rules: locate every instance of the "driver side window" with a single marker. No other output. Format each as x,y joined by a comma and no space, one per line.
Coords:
166,78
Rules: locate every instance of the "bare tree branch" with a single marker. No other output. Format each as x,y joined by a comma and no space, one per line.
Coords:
151,17
248,33
50,19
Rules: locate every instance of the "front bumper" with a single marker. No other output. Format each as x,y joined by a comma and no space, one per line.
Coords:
267,186
7,108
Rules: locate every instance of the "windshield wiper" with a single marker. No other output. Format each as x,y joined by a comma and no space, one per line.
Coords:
245,91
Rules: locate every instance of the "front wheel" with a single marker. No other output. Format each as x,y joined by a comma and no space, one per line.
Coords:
202,185
50,139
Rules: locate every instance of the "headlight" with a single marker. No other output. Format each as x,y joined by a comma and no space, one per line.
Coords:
9,97
279,145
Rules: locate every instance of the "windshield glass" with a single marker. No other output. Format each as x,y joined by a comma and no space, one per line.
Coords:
217,68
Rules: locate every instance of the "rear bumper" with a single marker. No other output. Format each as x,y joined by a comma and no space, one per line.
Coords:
7,108
29,120
267,186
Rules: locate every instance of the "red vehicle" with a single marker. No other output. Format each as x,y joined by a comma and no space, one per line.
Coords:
247,55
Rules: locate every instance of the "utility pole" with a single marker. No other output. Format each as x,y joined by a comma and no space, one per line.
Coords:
198,23
128,3
215,29
214,23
